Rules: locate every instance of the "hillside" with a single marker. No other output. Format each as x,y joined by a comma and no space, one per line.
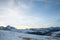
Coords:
9,35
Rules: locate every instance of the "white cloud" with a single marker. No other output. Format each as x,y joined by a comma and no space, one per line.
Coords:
17,15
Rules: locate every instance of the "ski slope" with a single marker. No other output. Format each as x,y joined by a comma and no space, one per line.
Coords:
8,35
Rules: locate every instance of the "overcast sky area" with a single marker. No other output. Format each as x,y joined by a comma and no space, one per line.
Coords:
30,13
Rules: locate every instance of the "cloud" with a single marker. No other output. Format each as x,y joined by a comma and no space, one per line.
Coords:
16,12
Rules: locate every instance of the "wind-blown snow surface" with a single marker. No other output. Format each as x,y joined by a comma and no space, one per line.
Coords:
8,35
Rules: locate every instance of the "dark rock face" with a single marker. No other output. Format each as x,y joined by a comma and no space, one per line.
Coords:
2,28
45,31
9,28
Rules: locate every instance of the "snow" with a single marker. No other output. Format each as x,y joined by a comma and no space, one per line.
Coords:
9,35
56,33
36,31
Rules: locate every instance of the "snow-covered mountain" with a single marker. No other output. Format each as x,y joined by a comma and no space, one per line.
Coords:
9,35
36,31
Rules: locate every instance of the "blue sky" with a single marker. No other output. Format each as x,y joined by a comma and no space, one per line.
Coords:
30,13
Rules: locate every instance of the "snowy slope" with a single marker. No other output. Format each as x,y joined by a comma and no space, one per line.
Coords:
8,35
56,34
